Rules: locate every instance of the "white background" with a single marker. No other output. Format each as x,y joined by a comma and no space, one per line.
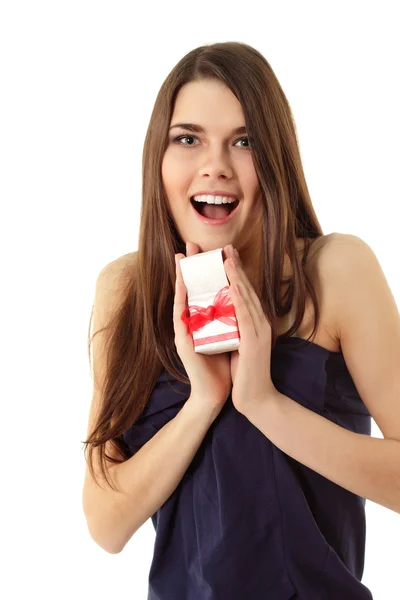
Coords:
78,83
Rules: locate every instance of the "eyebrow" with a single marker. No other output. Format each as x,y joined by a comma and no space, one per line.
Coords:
199,129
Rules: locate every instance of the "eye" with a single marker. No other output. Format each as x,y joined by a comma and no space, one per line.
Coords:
178,139
246,139
181,137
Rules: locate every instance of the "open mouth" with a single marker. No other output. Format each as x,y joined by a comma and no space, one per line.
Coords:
214,211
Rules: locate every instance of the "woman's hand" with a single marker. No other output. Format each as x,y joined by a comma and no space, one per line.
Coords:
209,375
251,363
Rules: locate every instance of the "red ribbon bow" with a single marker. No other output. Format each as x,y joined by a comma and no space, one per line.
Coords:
221,309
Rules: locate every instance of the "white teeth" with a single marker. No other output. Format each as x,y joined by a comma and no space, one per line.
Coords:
215,199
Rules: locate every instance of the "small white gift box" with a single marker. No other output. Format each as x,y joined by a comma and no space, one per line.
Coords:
212,321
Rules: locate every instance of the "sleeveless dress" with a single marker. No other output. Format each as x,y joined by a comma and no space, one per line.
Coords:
248,522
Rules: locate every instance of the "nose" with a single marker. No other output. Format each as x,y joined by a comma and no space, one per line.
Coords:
216,165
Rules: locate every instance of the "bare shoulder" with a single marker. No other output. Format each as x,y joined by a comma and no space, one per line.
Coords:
319,246
317,267
111,284
326,255
119,266
116,273
326,249
323,252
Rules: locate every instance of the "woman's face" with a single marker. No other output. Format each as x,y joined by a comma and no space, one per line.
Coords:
214,159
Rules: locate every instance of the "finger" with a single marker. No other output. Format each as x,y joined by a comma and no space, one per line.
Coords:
180,302
236,277
249,292
239,274
192,248
247,325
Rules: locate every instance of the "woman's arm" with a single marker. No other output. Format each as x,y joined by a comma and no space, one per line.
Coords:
147,479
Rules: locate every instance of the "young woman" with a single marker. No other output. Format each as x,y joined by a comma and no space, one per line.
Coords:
253,465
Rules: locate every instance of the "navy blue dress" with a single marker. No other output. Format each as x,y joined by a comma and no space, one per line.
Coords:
248,522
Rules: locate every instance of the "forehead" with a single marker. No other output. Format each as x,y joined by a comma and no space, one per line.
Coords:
209,102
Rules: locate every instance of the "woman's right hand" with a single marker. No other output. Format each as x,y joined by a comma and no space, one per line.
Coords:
209,375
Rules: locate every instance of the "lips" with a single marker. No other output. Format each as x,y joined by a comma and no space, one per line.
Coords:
210,221
199,205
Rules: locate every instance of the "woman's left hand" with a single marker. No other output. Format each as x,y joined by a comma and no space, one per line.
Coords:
250,364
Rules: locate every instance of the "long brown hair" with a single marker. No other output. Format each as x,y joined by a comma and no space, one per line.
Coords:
140,337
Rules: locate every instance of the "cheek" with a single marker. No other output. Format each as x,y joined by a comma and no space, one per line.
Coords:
252,179
248,180
164,172
174,174
168,166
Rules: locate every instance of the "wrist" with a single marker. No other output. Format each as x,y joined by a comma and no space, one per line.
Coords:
202,406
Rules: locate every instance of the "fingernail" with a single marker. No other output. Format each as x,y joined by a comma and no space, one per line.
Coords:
236,253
